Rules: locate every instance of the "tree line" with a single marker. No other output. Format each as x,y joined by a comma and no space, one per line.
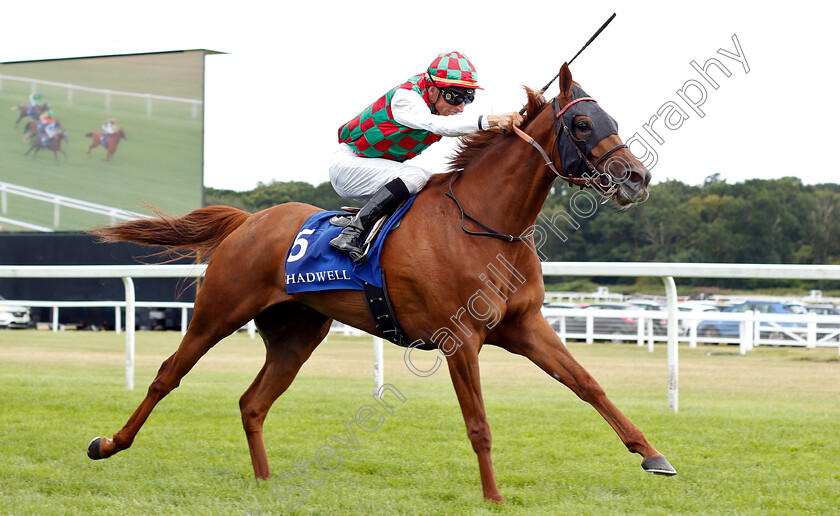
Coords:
756,221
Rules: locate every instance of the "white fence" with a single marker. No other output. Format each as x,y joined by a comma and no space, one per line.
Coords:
666,271
126,273
58,201
107,94
753,328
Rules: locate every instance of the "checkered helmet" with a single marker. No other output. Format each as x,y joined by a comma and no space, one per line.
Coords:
454,69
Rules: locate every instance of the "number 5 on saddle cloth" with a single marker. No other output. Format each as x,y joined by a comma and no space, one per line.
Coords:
312,265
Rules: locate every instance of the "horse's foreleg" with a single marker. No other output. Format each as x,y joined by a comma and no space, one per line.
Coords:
463,369
539,343
290,332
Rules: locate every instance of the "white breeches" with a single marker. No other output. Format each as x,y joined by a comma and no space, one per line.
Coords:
357,178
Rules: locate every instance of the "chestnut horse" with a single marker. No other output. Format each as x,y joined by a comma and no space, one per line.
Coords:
111,144
23,110
245,278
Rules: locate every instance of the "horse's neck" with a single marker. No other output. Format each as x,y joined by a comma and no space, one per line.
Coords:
506,186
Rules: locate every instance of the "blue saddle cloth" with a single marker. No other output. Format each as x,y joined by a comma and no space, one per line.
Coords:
311,264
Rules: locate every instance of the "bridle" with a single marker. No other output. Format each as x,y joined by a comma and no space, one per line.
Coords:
587,175
580,171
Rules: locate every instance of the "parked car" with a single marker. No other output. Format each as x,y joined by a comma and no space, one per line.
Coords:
603,325
732,328
550,312
14,316
825,309
660,326
695,307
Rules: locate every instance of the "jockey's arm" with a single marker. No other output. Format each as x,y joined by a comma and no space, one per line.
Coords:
410,110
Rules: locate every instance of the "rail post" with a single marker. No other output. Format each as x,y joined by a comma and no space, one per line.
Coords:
673,344
378,366
129,332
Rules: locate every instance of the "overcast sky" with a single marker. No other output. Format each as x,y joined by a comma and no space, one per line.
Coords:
295,71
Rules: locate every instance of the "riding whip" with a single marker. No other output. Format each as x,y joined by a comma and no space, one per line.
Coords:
604,26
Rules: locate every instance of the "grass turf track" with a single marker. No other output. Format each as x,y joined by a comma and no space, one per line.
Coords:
756,434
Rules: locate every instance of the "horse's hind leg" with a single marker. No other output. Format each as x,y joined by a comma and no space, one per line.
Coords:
217,314
194,345
538,342
291,331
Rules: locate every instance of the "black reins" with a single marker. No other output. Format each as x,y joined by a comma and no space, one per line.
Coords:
490,232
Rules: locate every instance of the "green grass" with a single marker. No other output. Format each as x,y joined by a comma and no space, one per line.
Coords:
160,162
756,434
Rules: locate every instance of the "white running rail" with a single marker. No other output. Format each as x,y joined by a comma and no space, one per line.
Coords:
666,271
59,201
148,97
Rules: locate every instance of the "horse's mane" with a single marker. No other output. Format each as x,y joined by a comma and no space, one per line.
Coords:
472,145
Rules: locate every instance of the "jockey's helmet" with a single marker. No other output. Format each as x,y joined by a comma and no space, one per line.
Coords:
453,69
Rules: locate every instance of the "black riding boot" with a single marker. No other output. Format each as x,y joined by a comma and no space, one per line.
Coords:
385,201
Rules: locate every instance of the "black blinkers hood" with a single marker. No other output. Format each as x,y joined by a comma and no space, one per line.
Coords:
603,125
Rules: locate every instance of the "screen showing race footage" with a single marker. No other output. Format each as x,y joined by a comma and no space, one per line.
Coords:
91,141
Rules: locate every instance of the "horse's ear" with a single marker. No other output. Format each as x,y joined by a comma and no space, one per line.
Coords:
565,79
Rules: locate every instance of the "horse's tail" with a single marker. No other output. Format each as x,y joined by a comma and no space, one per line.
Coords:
88,135
195,235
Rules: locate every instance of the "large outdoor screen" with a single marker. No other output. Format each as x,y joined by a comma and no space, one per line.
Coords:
76,180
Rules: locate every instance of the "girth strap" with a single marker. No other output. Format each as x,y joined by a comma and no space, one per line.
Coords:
380,308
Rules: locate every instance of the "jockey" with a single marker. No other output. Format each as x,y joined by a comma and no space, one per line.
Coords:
46,126
34,101
369,163
34,98
108,128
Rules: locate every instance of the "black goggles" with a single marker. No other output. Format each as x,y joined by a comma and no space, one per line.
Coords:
455,96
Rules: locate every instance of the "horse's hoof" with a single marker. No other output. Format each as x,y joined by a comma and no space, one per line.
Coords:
658,465
93,449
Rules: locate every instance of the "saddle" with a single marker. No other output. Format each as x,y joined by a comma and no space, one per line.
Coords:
311,264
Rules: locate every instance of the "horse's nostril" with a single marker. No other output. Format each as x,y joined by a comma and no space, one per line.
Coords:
635,177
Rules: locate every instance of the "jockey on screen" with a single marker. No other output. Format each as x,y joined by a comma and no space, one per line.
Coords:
46,126
368,166
108,128
34,100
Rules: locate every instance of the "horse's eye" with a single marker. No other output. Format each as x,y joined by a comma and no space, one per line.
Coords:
583,125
